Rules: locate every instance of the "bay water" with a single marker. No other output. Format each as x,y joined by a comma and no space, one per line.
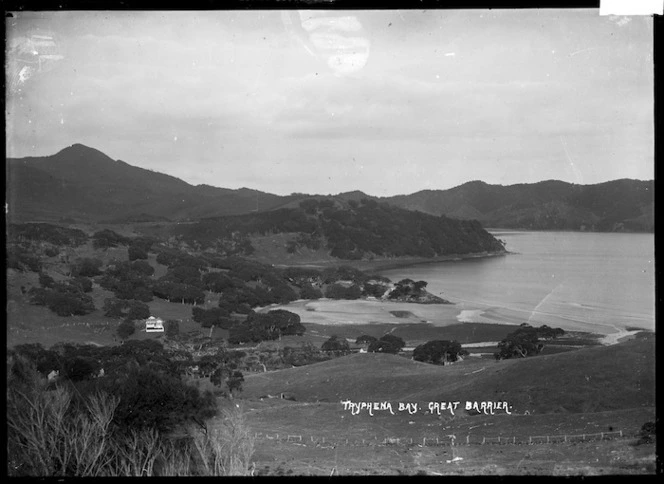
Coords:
598,282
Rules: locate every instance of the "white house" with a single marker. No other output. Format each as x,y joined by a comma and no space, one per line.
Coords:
154,325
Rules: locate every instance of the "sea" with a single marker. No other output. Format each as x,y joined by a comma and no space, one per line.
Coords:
578,281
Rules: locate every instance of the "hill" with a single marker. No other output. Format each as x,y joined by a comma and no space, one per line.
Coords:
594,379
87,185
619,205
353,230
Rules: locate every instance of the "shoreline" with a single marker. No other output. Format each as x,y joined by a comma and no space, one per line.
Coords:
396,263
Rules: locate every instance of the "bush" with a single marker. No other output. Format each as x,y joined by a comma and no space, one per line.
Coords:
107,238
171,328
88,267
45,280
337,291
310,292
22,261
136,252
126,329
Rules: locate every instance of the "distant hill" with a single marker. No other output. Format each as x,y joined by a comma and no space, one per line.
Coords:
84,184
615,206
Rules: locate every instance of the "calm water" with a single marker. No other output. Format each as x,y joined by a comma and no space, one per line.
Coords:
576,281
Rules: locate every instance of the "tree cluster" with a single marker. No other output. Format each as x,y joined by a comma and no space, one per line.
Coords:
21,260
87,267
127,309
129,280
43,232
218,317
523,342
408,289
63,298
439,352
266,326
336,346
107,238
386,344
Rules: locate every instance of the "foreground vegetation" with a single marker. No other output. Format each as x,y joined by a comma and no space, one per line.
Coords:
57,430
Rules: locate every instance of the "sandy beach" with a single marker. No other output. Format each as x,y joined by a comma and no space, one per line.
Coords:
334,312
363,311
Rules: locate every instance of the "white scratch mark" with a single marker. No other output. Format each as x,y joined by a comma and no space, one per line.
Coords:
582,50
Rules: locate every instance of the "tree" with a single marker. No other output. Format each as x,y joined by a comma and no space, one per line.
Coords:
83,283
439,352
520,343
212,317
171,328
386,344
365,339
126,329
337,346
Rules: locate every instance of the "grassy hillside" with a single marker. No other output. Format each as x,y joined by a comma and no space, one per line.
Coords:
588,380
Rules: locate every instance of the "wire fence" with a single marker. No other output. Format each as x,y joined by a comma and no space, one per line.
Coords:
447,440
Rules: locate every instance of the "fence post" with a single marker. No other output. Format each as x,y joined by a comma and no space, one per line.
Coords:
530,439
514,440
483,440
602,438
566,438
621,433
424,442
467,439
437,441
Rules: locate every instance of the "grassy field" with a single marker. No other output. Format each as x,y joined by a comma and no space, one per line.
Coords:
593,390
578,381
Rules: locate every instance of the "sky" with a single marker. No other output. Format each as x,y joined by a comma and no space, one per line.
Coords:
322,102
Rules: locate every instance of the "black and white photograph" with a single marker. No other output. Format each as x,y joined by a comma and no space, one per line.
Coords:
330,242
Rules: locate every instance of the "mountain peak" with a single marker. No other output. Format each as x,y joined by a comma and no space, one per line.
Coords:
79,150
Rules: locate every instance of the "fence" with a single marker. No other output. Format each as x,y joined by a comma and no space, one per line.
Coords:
442,441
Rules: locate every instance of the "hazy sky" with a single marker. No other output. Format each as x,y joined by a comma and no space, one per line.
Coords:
387,102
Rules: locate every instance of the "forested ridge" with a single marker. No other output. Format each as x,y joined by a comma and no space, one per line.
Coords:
352,230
